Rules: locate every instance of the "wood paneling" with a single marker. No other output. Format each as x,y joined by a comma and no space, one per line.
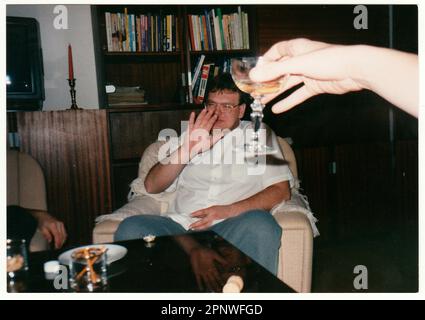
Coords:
329,23
72,149
131,132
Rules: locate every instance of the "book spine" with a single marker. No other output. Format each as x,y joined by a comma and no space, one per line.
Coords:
108,31
212,29
139,34
169,33
198,68
205,33
133,33
176,22
191,33
226,32
195,23
152,34
201,32
246,30
240,28
220,23
174,34
127,31
123,32
115,32
203,83
217,31
208,27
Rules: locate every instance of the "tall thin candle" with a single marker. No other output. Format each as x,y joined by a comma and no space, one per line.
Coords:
70,64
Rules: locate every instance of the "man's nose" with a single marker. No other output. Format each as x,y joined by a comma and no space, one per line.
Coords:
219,109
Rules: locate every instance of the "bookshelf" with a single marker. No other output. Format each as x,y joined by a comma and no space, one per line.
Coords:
162,56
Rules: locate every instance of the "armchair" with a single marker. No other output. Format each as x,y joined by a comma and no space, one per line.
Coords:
296,252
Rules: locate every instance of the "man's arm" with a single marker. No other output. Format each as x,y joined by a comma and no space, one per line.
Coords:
265,200
197,140
161,176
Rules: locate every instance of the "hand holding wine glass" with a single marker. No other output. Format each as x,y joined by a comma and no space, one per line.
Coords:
330,68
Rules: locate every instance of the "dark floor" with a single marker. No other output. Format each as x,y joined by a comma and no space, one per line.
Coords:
391,259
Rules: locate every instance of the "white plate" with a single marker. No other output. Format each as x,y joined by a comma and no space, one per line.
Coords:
114,253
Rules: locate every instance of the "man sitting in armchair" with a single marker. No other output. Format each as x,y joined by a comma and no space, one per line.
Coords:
233,199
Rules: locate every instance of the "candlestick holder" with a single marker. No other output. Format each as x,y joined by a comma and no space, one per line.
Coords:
72,91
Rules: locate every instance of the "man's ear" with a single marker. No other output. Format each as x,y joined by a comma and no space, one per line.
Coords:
242,110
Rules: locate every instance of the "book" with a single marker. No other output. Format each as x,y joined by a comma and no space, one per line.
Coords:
198,69
209,33
203,83
220,23
108,31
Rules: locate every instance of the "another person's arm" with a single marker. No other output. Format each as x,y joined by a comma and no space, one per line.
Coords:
197,140
51,228
265,199
337,69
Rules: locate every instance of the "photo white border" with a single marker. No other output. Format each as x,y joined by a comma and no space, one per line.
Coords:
183,296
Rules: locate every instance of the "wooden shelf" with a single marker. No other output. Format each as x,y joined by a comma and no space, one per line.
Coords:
155,107
120,54
223,52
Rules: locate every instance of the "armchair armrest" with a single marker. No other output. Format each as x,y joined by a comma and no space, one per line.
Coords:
38,242
104,231
296,251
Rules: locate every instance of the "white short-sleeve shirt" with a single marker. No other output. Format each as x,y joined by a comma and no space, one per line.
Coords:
222,176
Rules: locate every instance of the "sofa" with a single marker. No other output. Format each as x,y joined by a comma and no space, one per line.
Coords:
296,220
26,188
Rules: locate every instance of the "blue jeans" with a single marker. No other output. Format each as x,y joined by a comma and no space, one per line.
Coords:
255,233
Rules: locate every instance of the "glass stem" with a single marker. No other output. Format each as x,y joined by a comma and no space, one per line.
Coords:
256,118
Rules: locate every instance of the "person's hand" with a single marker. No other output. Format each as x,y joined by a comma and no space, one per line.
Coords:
204,265
322,67
208,215
199,138
51,228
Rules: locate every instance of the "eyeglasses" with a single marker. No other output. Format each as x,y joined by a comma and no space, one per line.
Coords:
226,107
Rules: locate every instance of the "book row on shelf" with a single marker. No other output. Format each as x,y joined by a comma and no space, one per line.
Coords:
141,33
216,31
202,74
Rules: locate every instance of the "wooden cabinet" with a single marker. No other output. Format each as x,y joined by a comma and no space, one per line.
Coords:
72,149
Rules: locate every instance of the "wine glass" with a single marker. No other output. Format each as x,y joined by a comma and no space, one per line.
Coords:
240,68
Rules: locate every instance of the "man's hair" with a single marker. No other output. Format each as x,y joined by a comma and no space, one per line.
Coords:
224,82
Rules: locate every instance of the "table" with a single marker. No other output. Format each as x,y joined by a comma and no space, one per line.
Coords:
166,267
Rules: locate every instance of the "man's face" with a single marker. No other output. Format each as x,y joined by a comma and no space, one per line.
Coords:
227,118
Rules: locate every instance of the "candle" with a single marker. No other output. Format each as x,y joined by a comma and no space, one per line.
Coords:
70,65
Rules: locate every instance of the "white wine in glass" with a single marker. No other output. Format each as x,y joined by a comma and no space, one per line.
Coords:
240,68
